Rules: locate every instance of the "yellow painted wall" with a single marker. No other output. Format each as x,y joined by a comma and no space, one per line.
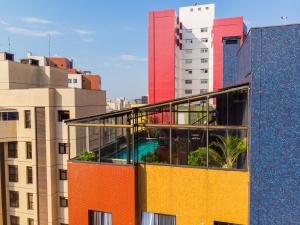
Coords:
196,196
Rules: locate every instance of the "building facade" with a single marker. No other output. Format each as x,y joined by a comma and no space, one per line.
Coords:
228,157
185,51
34,102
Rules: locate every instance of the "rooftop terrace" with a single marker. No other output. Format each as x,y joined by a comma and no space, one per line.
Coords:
206,130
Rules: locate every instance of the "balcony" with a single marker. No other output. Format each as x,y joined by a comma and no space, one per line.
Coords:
206,131
8,123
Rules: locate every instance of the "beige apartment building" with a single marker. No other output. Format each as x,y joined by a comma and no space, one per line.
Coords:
34,102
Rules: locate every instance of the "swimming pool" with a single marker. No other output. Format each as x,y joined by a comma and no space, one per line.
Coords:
144,147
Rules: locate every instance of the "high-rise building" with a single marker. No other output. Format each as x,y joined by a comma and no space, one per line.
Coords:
185,51
34,102
226,157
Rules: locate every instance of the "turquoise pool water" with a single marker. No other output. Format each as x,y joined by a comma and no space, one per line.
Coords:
144,147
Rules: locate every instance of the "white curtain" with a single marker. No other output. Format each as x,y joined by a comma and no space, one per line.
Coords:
148,219
106,219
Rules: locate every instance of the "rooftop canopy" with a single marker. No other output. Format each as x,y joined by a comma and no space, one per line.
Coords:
205,130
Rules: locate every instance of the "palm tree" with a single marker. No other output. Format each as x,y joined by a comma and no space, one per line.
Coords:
231,148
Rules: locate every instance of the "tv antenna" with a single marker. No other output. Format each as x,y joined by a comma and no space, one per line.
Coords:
49,45
9,44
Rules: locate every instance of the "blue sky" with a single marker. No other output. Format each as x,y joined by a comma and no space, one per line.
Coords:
110,37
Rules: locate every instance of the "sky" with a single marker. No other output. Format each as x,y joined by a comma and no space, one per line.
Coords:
110,37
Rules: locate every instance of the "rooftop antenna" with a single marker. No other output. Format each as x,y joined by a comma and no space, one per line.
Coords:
9,44
49,45
284,20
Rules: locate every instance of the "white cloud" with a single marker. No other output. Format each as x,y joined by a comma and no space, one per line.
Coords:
2,22
128,57
34,20
36,33
88,40
248,23
83,32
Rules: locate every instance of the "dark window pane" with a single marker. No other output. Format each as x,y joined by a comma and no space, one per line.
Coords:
27,119
63,115
14,199
28,150
29,175
13,173
12,150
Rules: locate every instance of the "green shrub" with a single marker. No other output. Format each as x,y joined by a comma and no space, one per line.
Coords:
87,156
198,157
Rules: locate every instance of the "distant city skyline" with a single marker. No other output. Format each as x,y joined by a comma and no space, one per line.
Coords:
111,38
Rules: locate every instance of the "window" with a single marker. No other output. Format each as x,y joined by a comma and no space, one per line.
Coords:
158,219
100,218
27,118
63,201
63,115
189,71
30,221
69,81
9,115
188,61
191,9
207,8
203,29
29,174
75,81
188,81
13,173
222,223
204,40
204,70
188,51
204,81
29,201
63,174
14,199
188,91
14,220
204,50
12,149
202,91
188,41
28,150
199,9
204,60
62,148
188,31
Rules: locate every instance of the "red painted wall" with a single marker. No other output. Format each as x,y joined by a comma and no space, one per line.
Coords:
101,187
224,28
161,56
91,82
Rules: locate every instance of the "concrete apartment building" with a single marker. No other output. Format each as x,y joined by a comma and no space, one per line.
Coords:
34,102
185,51
76,78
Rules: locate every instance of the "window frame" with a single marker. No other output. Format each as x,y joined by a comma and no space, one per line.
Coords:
10,153
188,81
30,202
14,199
63,174
63,202
64,147
28,150
27,119
13,177
29,175
14,217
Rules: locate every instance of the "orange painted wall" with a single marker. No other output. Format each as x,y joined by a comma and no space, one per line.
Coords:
101,187
91,82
